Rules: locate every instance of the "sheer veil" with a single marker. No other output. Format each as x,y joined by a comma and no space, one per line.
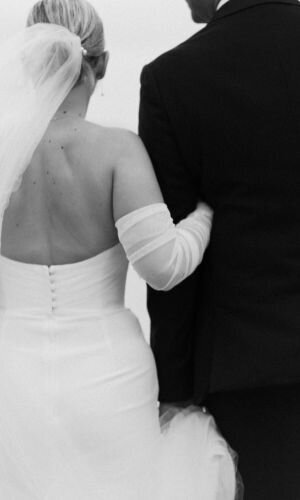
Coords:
38,68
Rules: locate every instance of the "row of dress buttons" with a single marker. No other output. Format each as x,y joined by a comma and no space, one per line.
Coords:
53,289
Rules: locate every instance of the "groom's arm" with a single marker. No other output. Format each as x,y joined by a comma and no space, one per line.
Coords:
173,314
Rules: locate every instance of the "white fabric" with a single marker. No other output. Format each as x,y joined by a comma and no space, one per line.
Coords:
78,396
164,254
38,68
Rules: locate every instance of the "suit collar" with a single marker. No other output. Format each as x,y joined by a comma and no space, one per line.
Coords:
234,6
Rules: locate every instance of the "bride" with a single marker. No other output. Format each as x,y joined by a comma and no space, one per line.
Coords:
78,388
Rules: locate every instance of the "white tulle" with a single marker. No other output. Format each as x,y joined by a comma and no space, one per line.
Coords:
38,68
196,459
164,254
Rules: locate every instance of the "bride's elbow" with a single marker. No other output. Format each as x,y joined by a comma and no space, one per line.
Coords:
163,279
159,288
164,285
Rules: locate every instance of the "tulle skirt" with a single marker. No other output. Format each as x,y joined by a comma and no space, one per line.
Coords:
79,418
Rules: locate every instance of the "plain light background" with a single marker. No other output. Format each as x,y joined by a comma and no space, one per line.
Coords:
136,31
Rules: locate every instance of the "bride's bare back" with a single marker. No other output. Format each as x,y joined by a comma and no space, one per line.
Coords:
81,179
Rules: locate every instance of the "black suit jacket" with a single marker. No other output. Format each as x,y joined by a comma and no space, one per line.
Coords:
220,117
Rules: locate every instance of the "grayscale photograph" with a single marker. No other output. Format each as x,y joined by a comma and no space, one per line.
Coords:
150,250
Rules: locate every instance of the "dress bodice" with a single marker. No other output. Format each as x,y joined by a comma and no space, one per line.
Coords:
94,286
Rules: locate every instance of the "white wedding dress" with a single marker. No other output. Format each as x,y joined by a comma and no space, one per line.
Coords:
78,386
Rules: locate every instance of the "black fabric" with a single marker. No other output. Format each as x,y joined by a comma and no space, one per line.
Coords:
220,117
264,426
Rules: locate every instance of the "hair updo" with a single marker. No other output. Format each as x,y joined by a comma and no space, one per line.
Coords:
81,18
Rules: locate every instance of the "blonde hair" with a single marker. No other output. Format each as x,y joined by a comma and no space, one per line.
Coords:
78,16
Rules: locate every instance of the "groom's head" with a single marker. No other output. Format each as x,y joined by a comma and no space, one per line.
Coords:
202,10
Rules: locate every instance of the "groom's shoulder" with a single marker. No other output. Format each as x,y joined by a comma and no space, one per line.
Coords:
180,52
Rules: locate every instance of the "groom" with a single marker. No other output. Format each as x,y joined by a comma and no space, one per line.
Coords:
220,116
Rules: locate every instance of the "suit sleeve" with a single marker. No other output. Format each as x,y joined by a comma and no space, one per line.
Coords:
173,314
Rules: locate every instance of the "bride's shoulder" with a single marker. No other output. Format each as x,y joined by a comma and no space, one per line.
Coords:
119,138
118,143
118,149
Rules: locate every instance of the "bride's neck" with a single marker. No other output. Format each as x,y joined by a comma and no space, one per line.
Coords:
76,103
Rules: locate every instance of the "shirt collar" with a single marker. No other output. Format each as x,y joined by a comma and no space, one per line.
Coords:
228,8
220,4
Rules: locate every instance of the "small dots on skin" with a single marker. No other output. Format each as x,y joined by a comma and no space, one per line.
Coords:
47,172
62,147
17,225
34,182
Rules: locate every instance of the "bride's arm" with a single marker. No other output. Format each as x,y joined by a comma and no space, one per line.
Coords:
134,182
163,254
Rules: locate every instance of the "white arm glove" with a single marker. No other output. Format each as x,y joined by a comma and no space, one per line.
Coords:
164,254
